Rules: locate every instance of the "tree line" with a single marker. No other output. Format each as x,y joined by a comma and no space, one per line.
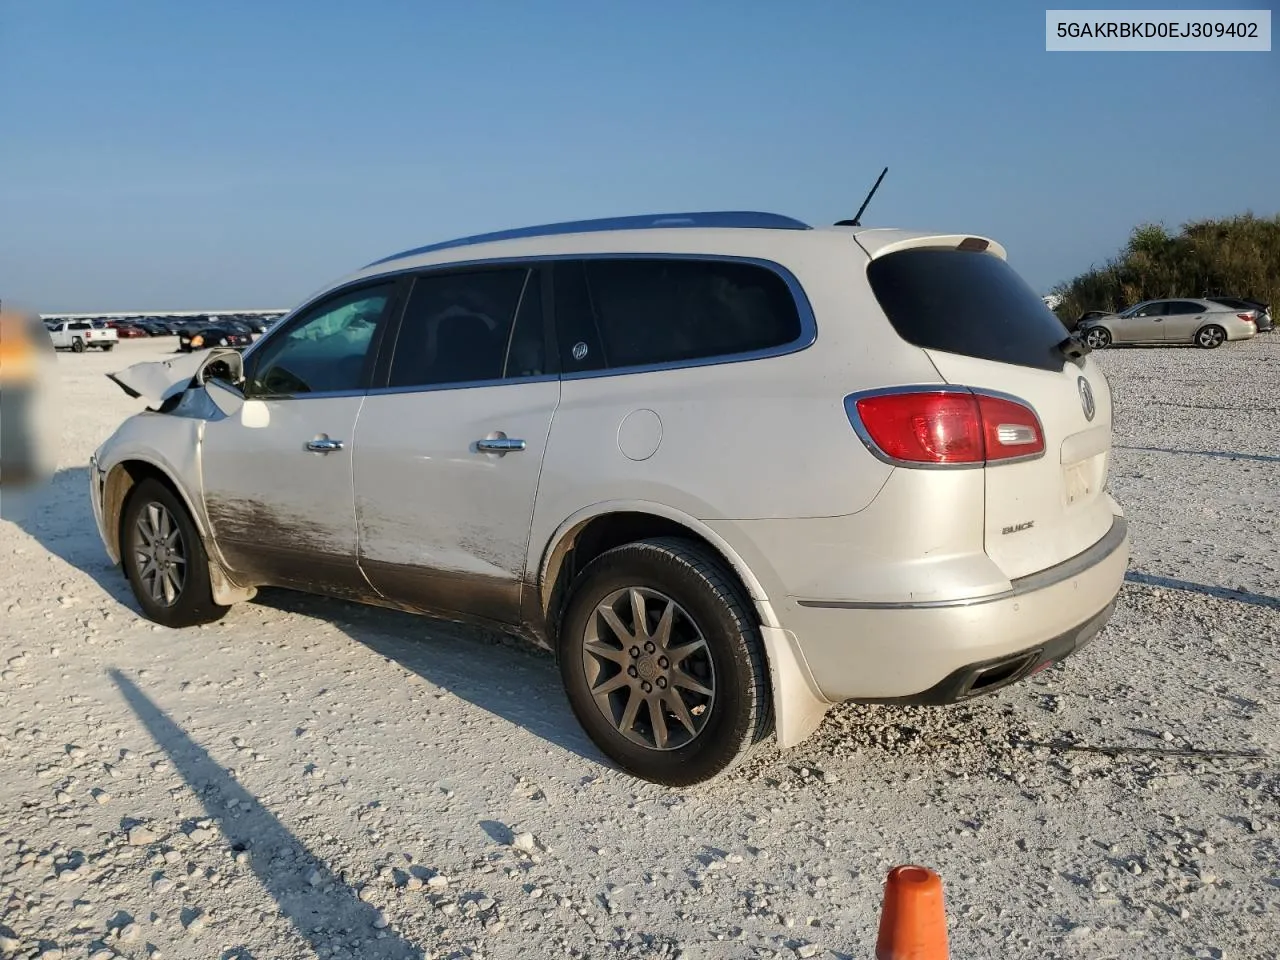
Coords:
1236,256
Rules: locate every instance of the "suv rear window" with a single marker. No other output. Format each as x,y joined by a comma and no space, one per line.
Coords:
637,311
965,302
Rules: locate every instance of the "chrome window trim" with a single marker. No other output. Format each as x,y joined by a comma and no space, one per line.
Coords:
462,385
808,320
851,412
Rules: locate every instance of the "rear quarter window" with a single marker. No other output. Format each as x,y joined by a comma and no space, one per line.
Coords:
630,312
969,303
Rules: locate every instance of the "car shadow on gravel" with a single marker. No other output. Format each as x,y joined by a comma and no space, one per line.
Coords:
501,675
59,517
1217,454
307,891
1222,593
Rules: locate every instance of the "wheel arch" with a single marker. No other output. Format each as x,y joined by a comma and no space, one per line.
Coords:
1226,335
798,706
603,526
121,478
127,473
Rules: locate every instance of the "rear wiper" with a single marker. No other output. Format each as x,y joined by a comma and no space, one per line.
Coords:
1074,349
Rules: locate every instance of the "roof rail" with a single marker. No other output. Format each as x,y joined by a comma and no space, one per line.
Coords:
745,219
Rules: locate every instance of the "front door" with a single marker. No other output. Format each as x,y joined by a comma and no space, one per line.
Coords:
1144,324
277,475
449,452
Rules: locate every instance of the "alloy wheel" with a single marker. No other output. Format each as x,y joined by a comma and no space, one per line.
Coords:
649,668
160,554
1210,337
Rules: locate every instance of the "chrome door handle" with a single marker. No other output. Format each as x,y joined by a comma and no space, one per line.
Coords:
324,445
500,445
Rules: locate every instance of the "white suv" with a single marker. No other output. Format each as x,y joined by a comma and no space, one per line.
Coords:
730,468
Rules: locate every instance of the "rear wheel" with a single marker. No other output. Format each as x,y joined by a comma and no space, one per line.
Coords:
1097,337
164,558
108,347
663,663
1211,336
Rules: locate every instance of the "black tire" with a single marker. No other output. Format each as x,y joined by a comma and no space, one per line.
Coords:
709,601
1098,338
108,347
192,603
77,345
1210,337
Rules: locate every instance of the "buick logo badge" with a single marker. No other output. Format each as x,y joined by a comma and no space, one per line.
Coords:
1086,398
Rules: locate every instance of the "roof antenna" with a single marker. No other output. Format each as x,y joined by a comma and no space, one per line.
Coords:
857,217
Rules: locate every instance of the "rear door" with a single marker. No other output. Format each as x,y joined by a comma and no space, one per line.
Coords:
984,328
1182,320
449,452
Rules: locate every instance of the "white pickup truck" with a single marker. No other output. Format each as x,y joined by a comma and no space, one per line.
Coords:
79,335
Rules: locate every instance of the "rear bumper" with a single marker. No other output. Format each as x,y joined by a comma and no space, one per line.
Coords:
988,676
949,650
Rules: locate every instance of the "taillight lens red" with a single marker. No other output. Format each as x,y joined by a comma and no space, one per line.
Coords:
949,427
924,427
1245,316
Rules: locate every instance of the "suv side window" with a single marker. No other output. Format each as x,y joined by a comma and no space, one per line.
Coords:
629,312
1184,307
326,350
470,327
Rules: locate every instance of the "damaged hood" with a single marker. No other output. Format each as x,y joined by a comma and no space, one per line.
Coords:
158,380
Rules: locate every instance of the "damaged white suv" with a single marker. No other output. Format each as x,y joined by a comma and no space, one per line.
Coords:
730,468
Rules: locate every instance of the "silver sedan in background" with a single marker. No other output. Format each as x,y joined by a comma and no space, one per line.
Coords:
1184,320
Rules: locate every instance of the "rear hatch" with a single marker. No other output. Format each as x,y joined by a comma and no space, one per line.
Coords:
984,328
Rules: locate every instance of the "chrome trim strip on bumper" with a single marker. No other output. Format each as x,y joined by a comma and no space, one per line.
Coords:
1047,577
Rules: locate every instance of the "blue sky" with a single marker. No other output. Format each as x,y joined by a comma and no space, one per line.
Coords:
166,155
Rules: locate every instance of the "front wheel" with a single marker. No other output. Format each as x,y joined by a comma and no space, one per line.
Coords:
77,345
1211,336
1097,338
164,558
663,663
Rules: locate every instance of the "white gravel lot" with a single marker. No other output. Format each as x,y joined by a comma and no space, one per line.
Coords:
310,778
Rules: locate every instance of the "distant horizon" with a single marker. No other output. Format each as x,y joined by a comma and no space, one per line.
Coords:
214,158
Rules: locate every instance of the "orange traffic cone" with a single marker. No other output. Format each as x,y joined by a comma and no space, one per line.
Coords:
913,924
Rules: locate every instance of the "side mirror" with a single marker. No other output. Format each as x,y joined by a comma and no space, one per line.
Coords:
222,365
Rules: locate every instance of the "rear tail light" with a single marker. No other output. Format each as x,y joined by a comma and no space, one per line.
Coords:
1248,317
952,427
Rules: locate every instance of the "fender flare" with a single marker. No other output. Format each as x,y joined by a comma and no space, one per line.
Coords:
565,531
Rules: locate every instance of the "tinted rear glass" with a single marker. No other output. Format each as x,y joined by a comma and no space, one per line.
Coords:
635,312
969,303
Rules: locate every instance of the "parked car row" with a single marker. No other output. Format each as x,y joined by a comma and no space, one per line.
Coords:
193,333
1206,322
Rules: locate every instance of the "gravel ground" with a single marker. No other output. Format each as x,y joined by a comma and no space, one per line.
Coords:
310,778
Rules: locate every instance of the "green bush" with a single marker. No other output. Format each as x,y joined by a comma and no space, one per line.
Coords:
1237,256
